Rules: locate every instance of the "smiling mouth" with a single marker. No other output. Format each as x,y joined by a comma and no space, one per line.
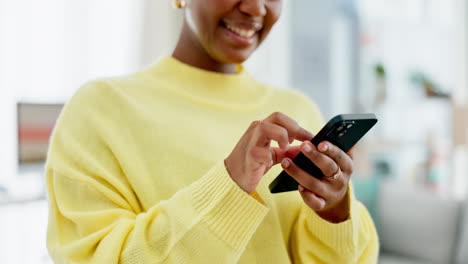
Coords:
243,32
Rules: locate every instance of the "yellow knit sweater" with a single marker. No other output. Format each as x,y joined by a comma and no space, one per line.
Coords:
135,174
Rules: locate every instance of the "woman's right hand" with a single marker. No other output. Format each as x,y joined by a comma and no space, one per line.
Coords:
253,156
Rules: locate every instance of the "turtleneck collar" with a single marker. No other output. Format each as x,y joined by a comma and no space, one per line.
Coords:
237,90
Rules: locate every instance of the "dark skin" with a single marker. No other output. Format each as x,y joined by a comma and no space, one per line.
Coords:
206,43
217,35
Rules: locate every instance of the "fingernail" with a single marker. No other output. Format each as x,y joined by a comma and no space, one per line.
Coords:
322,203
301,189
324,147
285,163
307,148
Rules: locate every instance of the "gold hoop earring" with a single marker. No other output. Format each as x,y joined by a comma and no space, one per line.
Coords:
179,3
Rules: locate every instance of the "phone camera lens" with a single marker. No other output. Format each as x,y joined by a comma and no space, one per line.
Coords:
349,126
341,134
340,128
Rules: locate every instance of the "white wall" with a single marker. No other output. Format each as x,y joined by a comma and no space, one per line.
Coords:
49,48
160,28
272,63
460,163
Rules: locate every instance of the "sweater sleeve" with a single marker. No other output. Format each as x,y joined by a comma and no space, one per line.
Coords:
352,241
95,216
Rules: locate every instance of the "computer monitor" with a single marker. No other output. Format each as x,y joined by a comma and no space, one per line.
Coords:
36,122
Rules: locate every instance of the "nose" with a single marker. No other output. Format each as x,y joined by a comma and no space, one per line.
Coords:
253,7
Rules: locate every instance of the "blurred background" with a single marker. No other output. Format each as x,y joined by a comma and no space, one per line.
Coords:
404,60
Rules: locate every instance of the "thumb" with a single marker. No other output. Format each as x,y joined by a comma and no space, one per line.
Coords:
279,154
351,152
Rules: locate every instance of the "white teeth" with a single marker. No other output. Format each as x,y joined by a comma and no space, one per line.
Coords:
241,32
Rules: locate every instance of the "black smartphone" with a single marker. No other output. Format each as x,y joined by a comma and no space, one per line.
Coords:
344,131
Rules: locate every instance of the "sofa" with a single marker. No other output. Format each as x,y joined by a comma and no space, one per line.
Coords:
418,227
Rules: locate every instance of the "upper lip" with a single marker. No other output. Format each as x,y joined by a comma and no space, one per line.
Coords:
255,26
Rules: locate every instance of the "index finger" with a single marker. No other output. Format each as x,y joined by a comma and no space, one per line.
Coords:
341,158
295,131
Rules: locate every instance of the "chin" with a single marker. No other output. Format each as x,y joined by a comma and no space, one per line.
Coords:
236,57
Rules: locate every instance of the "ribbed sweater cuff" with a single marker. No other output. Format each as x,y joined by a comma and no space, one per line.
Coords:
229,211
340,236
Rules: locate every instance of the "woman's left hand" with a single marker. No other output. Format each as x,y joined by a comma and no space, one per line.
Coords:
327,196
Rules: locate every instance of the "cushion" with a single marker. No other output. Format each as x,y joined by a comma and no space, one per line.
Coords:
462,251
417,224
394,259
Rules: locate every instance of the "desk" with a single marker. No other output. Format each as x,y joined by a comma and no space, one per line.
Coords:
23,228
23,217
28,186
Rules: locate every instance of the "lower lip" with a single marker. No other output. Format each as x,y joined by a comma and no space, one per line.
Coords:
239,39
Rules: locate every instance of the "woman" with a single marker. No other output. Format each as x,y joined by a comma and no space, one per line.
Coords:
172,164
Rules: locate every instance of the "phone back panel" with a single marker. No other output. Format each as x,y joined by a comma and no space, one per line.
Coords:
344,131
